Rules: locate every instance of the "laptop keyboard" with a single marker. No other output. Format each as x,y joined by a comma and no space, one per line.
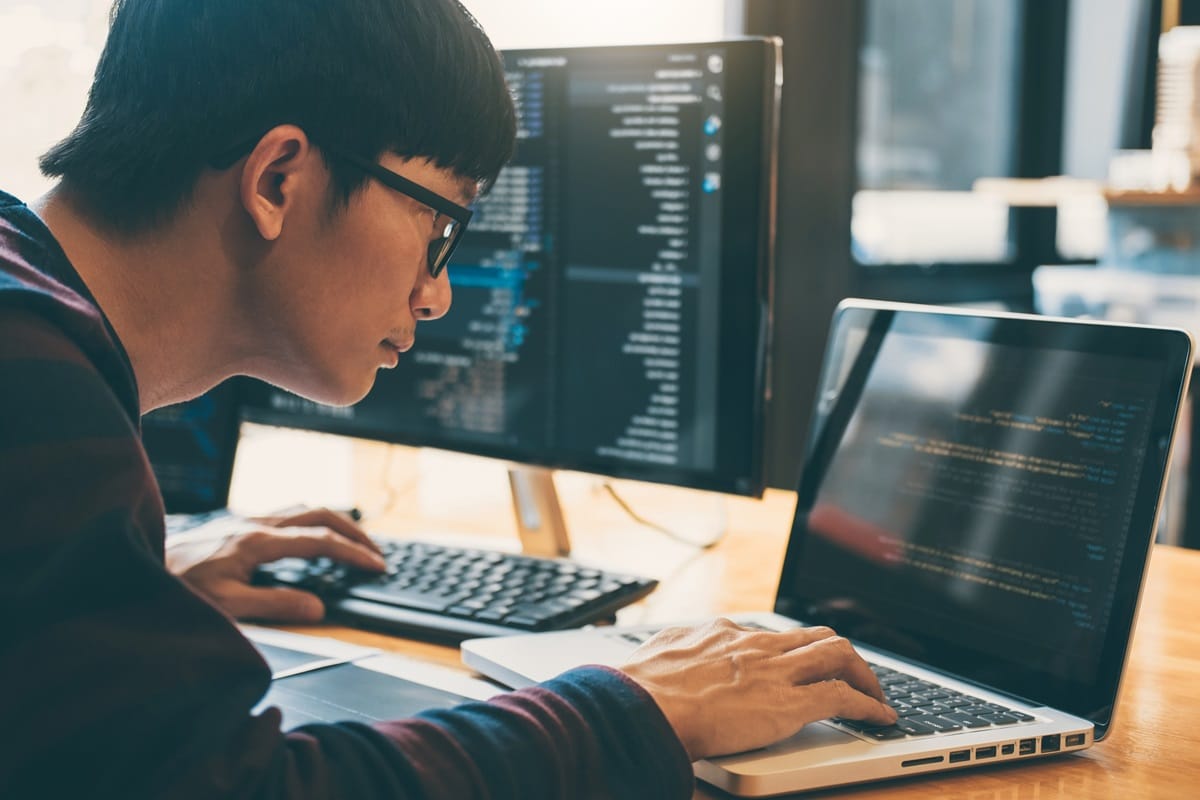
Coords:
926,708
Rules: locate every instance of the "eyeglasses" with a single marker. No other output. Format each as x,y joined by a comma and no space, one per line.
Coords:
442,247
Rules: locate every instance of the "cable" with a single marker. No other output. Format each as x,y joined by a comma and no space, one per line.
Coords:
670,534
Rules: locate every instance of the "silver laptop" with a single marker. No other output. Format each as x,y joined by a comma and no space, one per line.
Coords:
979,496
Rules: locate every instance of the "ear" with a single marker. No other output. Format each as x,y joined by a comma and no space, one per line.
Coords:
273,176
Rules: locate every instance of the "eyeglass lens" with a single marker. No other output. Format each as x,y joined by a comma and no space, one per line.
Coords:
440,249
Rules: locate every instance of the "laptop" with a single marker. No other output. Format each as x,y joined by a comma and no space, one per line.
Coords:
977,503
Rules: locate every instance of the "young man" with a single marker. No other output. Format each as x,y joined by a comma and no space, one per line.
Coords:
269,187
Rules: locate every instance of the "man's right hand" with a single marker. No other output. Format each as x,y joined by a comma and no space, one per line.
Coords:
726,689
219,564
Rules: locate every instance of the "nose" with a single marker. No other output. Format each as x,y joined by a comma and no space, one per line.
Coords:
430,297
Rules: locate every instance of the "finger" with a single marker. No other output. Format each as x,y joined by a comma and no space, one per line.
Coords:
796,638
834,657
837,698
274,604
263,546
328,518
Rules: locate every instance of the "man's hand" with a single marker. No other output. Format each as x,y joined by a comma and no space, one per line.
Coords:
726,689
219,565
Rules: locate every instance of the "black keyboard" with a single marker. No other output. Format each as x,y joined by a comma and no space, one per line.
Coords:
927,708
455,593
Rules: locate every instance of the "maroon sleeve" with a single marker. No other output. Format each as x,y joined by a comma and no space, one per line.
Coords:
118,681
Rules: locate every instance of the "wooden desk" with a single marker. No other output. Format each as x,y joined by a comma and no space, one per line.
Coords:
1153,750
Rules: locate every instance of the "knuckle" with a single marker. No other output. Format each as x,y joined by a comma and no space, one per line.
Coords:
840,645
841,690
256,538
326,534
823,631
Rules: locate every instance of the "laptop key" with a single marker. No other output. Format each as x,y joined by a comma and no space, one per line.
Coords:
967,720
976,709
885,734
1000,719
914,728
939,724
854,724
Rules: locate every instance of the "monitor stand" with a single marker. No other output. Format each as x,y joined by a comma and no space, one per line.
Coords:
540,522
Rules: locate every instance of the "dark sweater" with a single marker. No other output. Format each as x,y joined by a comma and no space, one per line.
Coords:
116,680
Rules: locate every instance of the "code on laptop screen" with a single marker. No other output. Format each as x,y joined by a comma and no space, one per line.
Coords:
973,490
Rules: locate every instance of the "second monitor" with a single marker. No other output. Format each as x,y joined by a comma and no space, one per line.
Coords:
611,298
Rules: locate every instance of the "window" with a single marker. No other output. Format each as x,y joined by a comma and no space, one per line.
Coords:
938,82
48,52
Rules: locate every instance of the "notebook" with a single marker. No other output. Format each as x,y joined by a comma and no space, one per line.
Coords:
316,679
977,503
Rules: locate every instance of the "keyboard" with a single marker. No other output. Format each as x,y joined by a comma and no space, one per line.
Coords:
926,708
453,593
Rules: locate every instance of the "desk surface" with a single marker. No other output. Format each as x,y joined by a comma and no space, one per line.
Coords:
1153,750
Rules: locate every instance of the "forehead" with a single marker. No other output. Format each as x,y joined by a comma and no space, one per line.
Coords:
445,182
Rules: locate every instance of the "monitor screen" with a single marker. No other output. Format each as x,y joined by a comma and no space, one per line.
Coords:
192,447
611,296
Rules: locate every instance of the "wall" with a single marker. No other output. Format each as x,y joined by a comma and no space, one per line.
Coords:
49,48
586,22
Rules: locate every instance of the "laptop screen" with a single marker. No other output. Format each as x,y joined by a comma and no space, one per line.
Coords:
979,494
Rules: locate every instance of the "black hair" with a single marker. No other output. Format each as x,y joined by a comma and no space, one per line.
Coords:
182,81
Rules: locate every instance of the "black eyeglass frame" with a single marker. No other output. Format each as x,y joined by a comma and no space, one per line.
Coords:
440,250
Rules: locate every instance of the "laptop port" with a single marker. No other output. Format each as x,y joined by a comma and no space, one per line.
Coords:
957,756
1007,749
1051,743
1028,747
1075,739
917,762
985,752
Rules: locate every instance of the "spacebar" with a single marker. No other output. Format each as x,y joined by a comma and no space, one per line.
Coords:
393,597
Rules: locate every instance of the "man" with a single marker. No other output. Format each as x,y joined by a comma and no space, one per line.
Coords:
269,187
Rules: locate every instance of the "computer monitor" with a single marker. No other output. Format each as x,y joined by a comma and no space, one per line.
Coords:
611,298
192,447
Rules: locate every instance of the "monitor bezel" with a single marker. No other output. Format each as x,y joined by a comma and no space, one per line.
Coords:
755,64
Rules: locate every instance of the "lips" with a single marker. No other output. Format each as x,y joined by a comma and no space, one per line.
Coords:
399,347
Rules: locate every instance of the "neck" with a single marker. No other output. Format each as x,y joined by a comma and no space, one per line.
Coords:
169,294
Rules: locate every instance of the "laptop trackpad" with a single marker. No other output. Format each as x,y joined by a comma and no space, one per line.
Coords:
817,742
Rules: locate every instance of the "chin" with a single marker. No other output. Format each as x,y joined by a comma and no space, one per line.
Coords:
334,389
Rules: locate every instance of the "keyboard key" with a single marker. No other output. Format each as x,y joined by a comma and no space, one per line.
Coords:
967,720
885,734
399,597
939,724
999,719
914,728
